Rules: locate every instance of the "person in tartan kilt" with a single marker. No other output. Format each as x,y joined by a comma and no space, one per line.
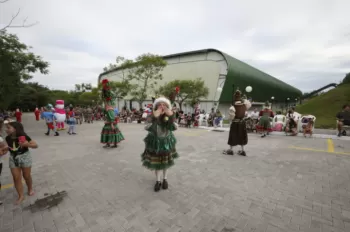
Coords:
110,135
160,151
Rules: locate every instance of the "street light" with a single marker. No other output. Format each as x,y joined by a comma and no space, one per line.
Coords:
248,89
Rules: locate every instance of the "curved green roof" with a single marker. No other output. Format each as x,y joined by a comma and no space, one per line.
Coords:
241,75
264,86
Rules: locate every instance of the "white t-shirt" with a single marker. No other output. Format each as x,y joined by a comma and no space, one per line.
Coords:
254,115
296,116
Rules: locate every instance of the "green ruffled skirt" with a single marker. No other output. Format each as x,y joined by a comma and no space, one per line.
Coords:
111,136
160,152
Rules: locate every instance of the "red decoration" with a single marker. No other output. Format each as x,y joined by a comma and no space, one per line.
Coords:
108,98
177,89
105,81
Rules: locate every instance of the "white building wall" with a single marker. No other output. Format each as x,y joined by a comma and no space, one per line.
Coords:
210,67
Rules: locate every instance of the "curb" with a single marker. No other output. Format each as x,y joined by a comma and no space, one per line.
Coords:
277,133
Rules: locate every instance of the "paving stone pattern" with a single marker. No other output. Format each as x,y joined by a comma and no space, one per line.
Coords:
273,189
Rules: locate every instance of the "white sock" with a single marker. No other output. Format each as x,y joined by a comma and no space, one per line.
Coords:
165,174
158,175
242,148
231,147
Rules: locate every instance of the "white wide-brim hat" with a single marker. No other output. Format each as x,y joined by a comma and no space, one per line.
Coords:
161,99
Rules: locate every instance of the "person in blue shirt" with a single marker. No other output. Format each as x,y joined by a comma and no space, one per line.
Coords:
50,119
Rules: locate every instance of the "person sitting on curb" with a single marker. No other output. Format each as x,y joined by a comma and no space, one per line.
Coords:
343,118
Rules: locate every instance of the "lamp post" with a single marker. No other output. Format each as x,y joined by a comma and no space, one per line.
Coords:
248,89
272,99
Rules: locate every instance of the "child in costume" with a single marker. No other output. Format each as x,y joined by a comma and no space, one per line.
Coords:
160,150
71,121
110,132
238,129
197,111
37,114
50,119
18,115
264,125
60,114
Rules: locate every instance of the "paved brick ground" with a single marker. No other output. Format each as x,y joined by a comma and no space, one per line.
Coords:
275,188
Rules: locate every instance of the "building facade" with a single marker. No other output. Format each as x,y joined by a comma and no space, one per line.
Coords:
220,72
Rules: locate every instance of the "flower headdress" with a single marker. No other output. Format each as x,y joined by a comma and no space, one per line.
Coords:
107,95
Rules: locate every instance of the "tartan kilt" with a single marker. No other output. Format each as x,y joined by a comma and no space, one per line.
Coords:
159,153
110,135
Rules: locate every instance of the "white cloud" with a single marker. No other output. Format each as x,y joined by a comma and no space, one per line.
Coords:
305,43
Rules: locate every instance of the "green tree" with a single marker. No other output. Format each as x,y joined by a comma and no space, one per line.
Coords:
83,87
31,95
68,97
120,89
346,79
88,98
145,71
191,91
120,62
17,64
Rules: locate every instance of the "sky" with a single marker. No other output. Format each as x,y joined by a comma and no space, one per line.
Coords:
303,43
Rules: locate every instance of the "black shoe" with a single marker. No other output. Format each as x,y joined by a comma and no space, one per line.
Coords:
165,184
47,134
263,136
106,146
69,133
228,152
57,134
74,133
114,146
157,186
339,134
242,153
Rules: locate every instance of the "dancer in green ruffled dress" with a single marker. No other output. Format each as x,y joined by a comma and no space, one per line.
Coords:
110,135
160,150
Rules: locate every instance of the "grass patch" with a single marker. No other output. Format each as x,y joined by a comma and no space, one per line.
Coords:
326,106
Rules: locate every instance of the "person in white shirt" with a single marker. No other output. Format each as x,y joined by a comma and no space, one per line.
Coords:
293,119
254,114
